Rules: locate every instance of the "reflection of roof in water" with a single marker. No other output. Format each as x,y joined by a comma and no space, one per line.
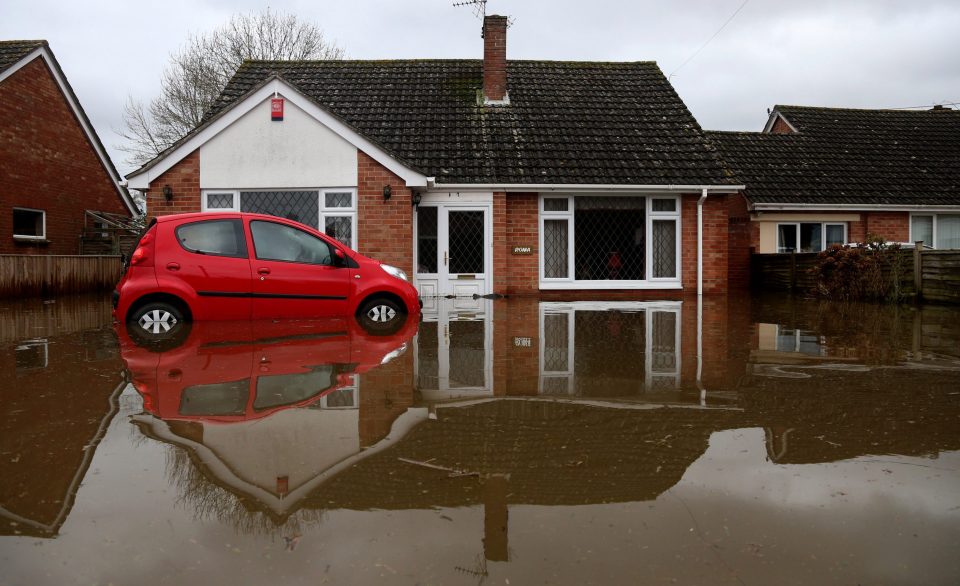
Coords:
556,453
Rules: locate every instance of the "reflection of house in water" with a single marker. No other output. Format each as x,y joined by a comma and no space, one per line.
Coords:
526,402
465,348
57,400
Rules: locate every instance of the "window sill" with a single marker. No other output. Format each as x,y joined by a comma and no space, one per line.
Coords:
30,240
609,285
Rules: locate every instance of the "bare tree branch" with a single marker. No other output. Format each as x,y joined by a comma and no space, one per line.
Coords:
201,68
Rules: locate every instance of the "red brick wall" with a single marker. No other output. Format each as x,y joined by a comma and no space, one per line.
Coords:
184,179
501,252
780,127
523,271
385,228
47,162
740,241
891,226
715,243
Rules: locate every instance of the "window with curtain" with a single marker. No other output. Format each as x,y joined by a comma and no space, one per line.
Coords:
591,238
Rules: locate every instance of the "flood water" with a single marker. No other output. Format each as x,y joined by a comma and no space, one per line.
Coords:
731,441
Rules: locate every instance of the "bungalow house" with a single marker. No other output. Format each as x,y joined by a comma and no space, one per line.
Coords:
821,176
475,177
53,168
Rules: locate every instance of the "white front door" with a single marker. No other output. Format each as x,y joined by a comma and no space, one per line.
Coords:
453,245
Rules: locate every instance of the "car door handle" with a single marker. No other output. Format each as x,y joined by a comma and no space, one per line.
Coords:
263,271
173,266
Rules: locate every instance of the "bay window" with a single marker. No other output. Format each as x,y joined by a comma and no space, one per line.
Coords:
941,231
332,211
609,242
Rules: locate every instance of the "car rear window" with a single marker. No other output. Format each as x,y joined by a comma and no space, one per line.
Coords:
216,237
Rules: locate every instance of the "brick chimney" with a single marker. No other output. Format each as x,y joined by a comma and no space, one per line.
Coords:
495,59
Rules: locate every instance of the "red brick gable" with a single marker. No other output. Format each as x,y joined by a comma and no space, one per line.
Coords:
48,162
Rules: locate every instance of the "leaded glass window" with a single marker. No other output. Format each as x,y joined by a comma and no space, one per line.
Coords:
590,238
664,249
555,248
339,228
338,199
299,206
219,201
427,240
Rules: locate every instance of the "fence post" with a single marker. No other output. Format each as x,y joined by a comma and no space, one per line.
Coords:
793,271
918,268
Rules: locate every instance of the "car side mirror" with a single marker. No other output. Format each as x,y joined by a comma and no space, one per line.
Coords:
339,258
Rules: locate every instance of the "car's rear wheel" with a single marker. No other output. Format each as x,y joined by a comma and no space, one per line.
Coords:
382,315
156,320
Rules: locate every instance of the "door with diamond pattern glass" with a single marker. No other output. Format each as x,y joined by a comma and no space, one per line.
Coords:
452,249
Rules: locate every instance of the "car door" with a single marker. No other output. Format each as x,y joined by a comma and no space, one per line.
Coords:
295,274
210,258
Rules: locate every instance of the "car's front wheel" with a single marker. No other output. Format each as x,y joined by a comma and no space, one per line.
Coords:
382,315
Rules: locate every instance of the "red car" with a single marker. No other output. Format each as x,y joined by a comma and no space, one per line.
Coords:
228,266
242,370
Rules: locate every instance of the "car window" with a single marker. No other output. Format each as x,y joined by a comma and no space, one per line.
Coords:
216,237
287,389
273,241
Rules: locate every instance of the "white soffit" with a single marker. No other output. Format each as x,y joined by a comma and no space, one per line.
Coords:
281,89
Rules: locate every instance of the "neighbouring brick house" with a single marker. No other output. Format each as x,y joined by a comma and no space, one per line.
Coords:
53,168
821,176
477,177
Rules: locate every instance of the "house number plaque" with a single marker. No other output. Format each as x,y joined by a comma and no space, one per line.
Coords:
522,250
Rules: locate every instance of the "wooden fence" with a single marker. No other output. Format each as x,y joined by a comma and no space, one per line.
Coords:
930,275
36,275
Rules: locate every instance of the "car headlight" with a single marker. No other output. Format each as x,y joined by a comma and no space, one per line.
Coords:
394,272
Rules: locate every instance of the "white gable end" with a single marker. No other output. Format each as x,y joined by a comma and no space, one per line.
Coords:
255,152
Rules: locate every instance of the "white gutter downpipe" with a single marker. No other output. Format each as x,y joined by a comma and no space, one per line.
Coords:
700,241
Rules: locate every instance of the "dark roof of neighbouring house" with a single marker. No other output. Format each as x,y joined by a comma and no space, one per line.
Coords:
845,156
13,51
567,122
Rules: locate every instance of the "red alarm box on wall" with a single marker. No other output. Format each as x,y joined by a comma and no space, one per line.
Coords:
276,109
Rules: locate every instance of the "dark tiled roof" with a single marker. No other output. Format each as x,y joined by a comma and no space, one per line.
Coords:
567,122
13,51
841,156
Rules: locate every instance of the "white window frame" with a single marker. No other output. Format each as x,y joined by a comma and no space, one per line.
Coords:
43,224
823,233
570,282
348,212
936,222
322,210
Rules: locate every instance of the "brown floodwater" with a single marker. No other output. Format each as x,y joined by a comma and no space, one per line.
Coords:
740,440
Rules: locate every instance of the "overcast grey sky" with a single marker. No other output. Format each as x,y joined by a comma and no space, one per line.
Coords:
843,53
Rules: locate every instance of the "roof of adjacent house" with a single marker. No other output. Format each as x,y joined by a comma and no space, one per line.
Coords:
849,157
13,52
566,123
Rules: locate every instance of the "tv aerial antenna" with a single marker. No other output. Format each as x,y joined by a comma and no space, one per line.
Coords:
479,7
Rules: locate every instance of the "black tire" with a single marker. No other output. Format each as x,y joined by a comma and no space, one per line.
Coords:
382,316
158,324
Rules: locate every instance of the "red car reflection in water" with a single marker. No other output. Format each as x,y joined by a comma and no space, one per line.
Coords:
238,371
